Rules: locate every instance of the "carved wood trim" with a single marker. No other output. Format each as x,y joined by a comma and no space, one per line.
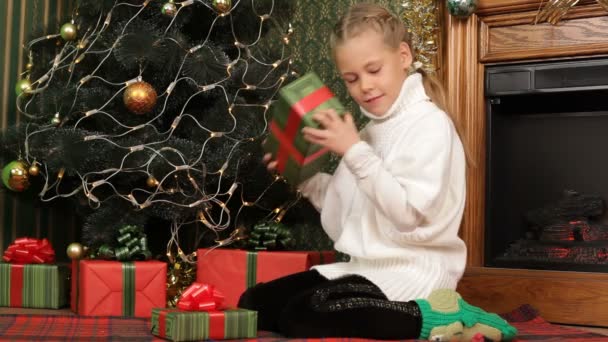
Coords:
494,7
510,37
464,81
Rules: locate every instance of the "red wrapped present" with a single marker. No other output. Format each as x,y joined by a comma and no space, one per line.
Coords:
29,279
234,270
296,158
114,288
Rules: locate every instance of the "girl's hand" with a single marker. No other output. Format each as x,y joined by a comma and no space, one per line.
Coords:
339,134
271,165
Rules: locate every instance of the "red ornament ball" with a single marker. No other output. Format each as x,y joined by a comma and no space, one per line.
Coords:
140,97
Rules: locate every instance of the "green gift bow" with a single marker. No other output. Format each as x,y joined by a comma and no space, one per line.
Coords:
132,245
269,236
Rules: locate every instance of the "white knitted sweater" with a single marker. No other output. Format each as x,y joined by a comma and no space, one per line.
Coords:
395,202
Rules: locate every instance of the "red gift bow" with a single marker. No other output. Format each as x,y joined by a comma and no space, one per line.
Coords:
29,251
201,297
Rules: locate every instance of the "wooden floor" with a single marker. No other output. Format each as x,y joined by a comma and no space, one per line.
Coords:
603,331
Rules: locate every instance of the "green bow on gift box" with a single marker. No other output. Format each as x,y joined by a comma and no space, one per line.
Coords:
132,245
269,236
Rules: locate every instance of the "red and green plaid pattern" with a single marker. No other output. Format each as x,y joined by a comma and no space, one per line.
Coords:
73,328
531,327
38,286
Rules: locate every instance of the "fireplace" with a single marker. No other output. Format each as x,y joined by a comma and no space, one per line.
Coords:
547,165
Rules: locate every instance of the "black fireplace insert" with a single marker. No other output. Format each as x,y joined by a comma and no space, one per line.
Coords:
547,165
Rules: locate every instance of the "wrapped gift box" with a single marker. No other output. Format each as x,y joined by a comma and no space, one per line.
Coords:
232,271
114,288
178,325
298,159
34,285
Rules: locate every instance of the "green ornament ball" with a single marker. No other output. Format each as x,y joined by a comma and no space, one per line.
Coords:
23,87
462,8
15,176
68,31
169,9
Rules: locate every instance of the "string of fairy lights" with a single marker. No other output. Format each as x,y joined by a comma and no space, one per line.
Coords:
140,98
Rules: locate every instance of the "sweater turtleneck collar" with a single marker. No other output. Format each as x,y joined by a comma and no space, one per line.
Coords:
412,91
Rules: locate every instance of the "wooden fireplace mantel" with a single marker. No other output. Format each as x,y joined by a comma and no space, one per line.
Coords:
502,31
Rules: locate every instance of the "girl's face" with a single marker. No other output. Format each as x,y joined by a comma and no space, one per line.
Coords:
373,71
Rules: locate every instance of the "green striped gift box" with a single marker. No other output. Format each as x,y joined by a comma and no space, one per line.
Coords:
33,285
179,325
297,159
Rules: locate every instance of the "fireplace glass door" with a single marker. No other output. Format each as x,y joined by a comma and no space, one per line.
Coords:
547,166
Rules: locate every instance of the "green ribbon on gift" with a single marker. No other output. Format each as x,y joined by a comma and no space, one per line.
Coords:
128,286
267,236
252,268
132,245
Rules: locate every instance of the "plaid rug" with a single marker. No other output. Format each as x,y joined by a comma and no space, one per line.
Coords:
78,328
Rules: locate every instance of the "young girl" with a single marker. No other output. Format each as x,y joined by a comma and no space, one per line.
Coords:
394,205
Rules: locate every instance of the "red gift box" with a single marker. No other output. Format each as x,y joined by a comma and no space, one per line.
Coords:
114,288
232,271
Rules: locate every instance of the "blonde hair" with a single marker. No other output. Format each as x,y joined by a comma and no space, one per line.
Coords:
366,16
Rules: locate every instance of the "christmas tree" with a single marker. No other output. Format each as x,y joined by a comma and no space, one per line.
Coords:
152,113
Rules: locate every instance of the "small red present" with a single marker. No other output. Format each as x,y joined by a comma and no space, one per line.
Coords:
114,288
233,271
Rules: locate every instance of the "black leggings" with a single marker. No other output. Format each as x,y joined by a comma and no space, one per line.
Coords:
306,304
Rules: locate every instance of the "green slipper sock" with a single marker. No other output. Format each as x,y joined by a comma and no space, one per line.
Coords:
438,321
445,306
453,332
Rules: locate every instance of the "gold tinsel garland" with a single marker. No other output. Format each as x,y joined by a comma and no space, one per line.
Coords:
180,275
421,20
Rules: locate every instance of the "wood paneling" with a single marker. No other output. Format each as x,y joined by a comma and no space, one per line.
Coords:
510,37
562,297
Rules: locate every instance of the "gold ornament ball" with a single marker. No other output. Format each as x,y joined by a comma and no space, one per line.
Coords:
223,6
169,9
75,251
23,87
68,31
34,170
29,66
15,176
140,97
152,182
